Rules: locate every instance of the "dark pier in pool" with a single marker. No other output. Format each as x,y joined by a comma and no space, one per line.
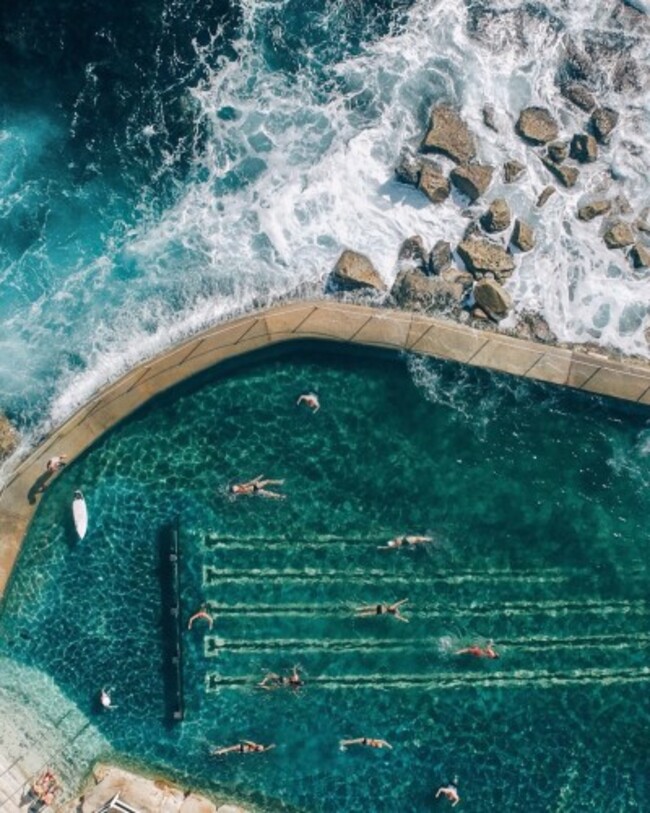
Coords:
171,622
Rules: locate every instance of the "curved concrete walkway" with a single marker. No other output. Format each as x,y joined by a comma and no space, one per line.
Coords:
327,320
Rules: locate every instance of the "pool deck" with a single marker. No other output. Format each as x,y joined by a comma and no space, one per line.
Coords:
327,320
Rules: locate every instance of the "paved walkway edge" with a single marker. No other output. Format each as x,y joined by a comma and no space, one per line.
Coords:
326,320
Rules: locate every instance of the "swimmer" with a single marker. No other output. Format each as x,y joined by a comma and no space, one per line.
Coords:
371,743
243,747
202,612
399,541
486,651
450,792
105,700
55,463
273,681
383,609
310,399
257,486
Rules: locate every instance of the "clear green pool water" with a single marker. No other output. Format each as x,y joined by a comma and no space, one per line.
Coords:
538,501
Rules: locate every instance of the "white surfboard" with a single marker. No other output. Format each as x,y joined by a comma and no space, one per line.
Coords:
80,514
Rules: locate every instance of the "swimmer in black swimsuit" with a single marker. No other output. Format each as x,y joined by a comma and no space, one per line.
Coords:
273,681
383,609
257,486
369,741
243,747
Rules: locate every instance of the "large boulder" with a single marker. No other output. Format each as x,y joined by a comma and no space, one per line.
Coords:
618,235
513,170
594,209
412,254
354,271
534,327
603,120
497,217
472,179
536,125
449,135
482,256
567,175
412,290
544,195
580,96
440,257
492,298
640,256
523,237
433,182
408,168
8,437
584,148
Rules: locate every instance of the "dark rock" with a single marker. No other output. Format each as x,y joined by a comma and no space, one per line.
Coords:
642,222
489,117
433,182
513,170
473,229
413,290
534,327
523,237
8,437
545,194
640,255
440,257
448,134
591,210
481,256
492,298
472,179
408,168
497,217
619,235
536,125
584,148
354,271
557,151
627,75
565,174
578,94
412,254
578,63
603,120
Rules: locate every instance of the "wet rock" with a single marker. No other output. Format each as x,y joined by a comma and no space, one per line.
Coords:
536,125
473,229
456,276
595,209
448,134
580,96
354,271
642,223
567,176
472,179
621,205
440,257
545,194
557,151
513,170
627,75
523,236
481,256
640,256
480,314
433,182
408,168
412,254
619,235
489,118
603,121
413,290
534,327
497,217
584,148
492,298
8,437
578,62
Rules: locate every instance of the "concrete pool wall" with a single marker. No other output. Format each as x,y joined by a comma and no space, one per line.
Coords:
325,320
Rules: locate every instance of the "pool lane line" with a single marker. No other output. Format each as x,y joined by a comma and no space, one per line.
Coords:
215,646
453,680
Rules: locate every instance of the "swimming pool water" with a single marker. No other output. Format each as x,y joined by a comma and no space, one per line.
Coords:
537,500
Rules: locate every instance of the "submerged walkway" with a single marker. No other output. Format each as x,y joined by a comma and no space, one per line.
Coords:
326,320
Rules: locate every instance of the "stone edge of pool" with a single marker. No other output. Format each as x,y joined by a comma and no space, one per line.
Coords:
325,320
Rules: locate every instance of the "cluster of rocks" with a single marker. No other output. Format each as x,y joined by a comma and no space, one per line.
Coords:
8,438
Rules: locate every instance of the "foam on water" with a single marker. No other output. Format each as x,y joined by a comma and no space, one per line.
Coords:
298,164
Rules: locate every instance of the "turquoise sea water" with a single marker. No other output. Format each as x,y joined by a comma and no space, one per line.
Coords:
537,500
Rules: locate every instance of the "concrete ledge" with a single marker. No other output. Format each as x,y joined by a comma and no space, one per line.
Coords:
326,320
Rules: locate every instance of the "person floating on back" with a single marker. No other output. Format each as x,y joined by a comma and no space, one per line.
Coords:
450,792
203,613
243,747
371,743
257,487
383,609
486,651
409,541
310,399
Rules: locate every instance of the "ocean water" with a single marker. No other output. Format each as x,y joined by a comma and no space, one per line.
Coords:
168,163
536,501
